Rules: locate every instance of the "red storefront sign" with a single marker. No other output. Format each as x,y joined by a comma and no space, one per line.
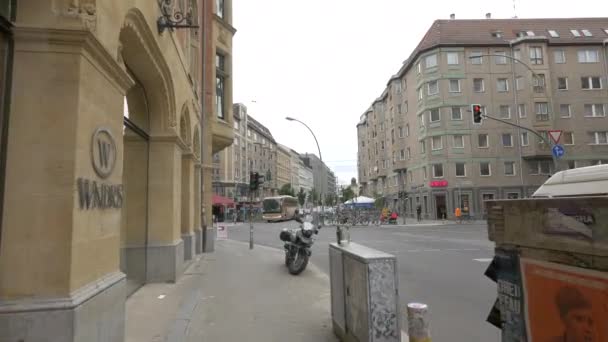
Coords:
438,184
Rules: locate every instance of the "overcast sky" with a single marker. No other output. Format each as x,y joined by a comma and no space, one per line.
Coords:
325,61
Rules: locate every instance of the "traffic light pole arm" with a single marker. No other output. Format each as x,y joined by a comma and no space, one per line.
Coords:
509,57
544,139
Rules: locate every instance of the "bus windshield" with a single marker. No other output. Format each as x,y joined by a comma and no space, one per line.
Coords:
272,205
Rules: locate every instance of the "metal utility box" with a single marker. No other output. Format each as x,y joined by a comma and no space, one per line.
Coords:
364,294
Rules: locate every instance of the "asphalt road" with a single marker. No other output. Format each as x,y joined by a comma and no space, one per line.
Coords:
440,265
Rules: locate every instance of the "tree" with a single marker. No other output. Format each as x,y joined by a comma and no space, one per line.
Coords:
287,190
347,194
301,197
353,181
330,200
313,196
379,201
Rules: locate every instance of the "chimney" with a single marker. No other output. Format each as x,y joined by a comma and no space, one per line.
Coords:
488,15
452,16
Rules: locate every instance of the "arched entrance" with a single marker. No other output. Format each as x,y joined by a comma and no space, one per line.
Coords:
151,245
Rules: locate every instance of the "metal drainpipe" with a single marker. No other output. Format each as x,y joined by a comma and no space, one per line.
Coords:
604,51
203,88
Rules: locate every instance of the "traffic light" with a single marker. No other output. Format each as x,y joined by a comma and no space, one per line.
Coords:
477,114
254,181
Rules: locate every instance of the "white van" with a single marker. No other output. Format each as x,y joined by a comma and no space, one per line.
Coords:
584,181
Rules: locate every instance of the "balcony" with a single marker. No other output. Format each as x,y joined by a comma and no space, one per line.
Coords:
222,133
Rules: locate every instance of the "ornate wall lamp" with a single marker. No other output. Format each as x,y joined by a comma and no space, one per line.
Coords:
171,19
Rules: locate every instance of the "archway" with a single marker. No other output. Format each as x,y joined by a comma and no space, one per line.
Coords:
150,234
187,189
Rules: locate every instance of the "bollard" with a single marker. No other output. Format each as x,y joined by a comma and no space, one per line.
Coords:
418,322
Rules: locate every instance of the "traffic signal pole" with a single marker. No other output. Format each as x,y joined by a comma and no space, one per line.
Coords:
250,219
544,139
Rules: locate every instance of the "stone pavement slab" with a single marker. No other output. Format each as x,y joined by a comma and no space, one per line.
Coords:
234,294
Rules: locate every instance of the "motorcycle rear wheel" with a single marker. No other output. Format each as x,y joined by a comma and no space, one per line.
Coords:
298,264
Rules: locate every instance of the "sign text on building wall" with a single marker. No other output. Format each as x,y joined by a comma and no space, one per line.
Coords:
92,194
439,184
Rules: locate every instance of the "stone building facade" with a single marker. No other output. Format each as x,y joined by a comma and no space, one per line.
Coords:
102,172
418,145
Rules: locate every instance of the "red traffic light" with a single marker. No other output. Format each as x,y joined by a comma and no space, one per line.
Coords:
477,108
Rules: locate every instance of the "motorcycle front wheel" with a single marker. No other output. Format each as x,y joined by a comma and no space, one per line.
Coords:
298,264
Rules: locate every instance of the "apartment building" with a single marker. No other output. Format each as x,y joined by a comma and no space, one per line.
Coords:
283,166
417,144
253,150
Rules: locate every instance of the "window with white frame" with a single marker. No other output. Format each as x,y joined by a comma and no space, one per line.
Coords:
408,153
536,55
421,120
461,170
436,143
456,113
485,169
382,145
502,85
568,138
483,141
477,57
433,87
575,33
500,59
599,138
553,33
559,56
591,82
540,167
458,141
452,58
437,170
420,96
525,139
402,155
431,61
594,110
542,111
521,110
454,86
562,83
419,68
509,168
507,140
422,146
435,115
478,85
400,132
587,33
407,130
504,111
588,56
516,55
405,107
424,174
606,31
565,110
519,83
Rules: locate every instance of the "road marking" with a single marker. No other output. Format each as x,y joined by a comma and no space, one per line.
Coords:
483,259
432,250
161,296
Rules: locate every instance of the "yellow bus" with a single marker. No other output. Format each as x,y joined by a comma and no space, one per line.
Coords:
280,208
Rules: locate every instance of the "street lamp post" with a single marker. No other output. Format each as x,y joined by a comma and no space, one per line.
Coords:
320,158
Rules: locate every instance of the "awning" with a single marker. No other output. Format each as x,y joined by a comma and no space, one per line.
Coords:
221,200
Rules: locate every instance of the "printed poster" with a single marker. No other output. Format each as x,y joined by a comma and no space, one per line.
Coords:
564,303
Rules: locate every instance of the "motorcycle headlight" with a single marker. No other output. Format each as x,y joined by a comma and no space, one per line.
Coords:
307,233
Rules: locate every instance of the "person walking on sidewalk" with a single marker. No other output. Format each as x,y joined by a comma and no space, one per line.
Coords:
419,213
458,214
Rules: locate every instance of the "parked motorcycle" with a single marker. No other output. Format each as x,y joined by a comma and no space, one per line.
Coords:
297,245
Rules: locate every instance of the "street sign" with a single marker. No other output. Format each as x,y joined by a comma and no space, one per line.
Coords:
558,151
555,135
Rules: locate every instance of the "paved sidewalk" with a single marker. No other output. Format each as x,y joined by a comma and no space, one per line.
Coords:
236,295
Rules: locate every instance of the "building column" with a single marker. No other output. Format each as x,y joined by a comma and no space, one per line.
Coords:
188,206
165,246
59,268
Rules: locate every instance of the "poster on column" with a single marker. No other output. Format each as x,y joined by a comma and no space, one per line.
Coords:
564,303
222,231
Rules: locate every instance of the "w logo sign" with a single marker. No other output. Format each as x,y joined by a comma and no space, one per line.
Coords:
103,152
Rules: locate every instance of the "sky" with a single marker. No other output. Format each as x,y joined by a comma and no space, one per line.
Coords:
325,61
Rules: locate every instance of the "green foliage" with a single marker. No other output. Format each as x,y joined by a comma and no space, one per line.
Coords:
301,197
347,194
286,190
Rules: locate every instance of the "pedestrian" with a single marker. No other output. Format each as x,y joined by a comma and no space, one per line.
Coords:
443,213
458,214
419,213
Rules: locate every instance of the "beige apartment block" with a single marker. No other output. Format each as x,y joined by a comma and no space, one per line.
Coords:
418,145
102,156
283,166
